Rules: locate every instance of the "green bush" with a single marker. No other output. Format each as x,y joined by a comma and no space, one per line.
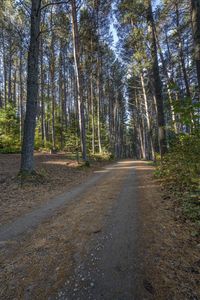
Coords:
9,130
180,169
181,166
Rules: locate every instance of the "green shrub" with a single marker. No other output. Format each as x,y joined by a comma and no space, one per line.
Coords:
180,169
9,130
181,166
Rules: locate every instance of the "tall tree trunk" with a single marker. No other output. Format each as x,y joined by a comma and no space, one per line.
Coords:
42,93
142,153
27,159
169,80
66,89
10,67
157,83
62,99
47,123
79,79
15,88
149,134
98,105
195,11
98,78
4,68
181,51
53,92
92,112
1,100
21,94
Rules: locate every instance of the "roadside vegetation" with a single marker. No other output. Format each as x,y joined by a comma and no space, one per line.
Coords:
180,173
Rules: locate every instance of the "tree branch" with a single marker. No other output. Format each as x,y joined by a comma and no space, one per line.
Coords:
54,3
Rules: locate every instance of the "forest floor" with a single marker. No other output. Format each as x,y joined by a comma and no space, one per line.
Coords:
118,238
59,173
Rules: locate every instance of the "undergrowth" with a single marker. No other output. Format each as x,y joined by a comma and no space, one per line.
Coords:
180,172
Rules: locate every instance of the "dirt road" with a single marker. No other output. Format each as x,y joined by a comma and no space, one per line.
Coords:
79,245
112,237
109,270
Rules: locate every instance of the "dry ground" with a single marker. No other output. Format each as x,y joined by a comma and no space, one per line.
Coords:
170,254
38,265
60,174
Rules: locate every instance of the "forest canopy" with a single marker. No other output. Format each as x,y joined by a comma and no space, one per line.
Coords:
115,78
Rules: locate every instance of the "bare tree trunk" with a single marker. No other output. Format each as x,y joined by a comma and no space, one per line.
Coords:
27,160
15,88
47,122
157,83
152,154
181,51
195,11
62,99
53,94
10,68
79,79
21,95
168,83
92,112
98,106
139,130
4,69
42,94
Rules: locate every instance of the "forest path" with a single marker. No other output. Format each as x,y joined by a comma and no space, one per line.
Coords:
111,267
83,244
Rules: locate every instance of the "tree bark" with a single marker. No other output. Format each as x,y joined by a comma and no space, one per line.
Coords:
157,83
4,69
169,80
181,52
27,159
92,112
21,95
149,134
10,67
53,91
42,94
195,12
98,105
79,79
